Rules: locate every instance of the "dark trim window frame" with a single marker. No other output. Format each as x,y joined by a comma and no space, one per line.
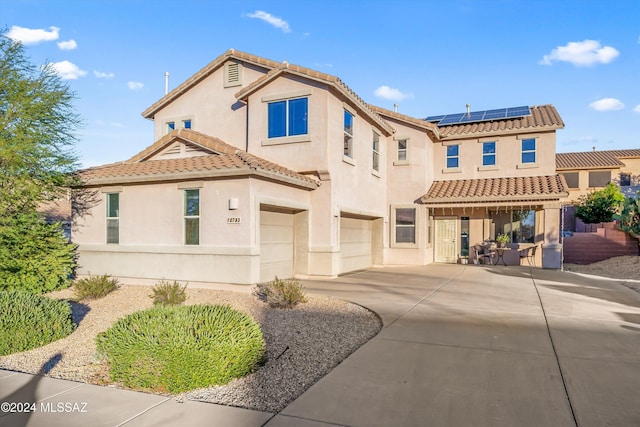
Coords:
192,216
113,218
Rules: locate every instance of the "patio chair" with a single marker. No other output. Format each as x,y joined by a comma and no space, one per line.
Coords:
530,254
481,253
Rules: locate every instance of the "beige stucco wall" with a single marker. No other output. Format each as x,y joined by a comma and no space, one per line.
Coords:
212,108
151,231
508,157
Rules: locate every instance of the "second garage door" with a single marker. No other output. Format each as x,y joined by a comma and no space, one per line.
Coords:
355,244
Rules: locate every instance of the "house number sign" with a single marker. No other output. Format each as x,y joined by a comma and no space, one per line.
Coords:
233,220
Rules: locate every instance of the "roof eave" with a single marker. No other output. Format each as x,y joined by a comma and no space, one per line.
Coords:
513,131
238,172
484,201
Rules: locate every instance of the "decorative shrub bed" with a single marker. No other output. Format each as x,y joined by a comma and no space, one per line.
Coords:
280,293
180,348
29,321
165,293
94,287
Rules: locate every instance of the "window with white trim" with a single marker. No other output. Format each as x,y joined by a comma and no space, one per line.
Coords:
186,124
288,117
402,150
453,152
405,225
529,150
348,134
375,152
171,126
113,218
489,153
192,217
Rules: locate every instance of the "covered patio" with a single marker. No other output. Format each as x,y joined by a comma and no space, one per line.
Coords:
473,212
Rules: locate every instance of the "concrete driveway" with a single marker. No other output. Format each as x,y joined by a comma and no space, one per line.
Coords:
478,346
461,346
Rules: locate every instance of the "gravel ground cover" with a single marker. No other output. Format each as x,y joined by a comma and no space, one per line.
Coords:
303,344
626,268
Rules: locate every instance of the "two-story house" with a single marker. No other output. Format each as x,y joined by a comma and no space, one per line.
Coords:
264,169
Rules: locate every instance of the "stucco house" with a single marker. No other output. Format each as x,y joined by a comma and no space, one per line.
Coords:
593,170
264,168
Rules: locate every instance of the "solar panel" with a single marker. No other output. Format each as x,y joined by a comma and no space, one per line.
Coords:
479,116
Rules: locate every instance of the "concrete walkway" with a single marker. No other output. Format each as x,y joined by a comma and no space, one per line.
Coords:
460,346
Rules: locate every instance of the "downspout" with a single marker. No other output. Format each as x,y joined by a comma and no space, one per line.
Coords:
246,133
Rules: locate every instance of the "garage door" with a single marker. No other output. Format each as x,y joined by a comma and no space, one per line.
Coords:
276,245
355,244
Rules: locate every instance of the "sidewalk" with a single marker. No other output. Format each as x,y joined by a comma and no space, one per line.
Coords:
460,346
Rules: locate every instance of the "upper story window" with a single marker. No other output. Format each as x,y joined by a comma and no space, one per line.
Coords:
489,153
572,178
171,126
348,134
453,152
186,124
599,178
402,150
192,217
529,150
375,150
288,117
113,218
625,179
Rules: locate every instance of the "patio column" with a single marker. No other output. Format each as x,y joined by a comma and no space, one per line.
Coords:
551,247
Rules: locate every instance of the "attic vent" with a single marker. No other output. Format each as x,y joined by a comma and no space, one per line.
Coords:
232,74
174,149
191,147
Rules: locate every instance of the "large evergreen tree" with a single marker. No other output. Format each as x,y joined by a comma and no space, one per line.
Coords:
37,135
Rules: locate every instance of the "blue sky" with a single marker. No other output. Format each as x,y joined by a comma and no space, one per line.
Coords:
430,57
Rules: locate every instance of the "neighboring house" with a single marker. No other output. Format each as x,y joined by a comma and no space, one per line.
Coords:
58,210
587,171
263,168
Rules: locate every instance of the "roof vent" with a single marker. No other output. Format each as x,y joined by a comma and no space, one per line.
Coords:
468,109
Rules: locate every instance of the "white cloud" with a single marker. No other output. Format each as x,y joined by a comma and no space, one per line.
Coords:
33,36
68,70
135,85
607,104
68,45
581,54
103,75
391,94
636,109
271,20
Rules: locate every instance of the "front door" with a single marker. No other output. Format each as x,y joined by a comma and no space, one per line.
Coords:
445,240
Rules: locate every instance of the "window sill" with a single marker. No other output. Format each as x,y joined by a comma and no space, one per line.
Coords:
348,160
452,170
401,163
397,245
488,168
526,165
286,140
375,173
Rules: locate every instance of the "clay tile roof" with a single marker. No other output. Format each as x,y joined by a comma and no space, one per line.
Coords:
58,210
543,117
404,118
594,159
334,81
512,189
203,73
224,161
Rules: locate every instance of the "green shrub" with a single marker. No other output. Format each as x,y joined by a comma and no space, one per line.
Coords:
34,256
181,348
94,287
281,293
29,321
166,293
600,205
